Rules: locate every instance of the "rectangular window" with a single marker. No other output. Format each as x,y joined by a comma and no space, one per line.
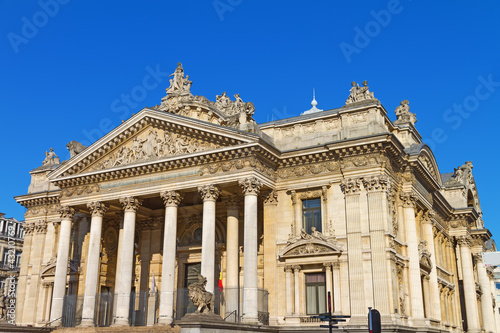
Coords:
315,293
311,215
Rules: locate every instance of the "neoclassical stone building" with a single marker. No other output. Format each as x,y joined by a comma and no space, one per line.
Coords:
343,201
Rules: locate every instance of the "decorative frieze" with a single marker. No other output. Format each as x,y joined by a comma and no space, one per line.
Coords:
238,164
97,208
80,190
171,198
130,203
209,192
250,185
307,170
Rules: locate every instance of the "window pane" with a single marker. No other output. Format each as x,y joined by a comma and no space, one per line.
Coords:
322,299
311,203
317,220
311,300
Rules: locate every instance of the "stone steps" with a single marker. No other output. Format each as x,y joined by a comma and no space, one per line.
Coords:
6,327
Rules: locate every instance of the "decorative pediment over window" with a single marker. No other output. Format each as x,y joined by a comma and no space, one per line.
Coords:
310,247
50,269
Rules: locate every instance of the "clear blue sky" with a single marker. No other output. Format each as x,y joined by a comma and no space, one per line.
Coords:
66,70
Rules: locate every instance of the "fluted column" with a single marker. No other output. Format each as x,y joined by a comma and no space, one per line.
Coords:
97,210
377,211
351,189
251,187
67,214
469,285
289,289
130,206
209,194
428,235
486,301
232,255
171,200
417,303
296,273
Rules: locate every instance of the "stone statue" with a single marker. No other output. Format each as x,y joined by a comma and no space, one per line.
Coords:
403,114
50,158
75,147
318,235
179,84
201,298
359,94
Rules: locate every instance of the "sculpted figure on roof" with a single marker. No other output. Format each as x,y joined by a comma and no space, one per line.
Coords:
360,94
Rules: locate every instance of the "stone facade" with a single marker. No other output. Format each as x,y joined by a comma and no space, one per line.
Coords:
11,248
342,202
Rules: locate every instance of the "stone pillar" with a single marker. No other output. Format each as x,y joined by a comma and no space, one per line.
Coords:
67,214
171,200
351,188
427,301
336,288
289,290
209,194
377,212
469,285
251,187
270,283
97,210
119,216
417,304
297,216
130,206
428,235
328,280
232,256
486,301
296,272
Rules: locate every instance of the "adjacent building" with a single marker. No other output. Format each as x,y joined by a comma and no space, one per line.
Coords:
11,248
276,216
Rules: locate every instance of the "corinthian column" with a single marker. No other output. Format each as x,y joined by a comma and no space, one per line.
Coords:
428,235
171,200
486,301
67,214
377,212
296,272
351,189
130,206
251,187
209,194
233,254
289,290
417,303
469,285
97,210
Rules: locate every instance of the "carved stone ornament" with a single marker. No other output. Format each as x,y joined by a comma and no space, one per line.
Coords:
250,185
422,249
428,216
79,190
305,244
306,170
202,299
271,198
29,228
232,201
41,227
376,183
350,186
464,241
462,175
403,114
238,164
209,192
154,144
75,148
360,94
408,199
130,203
171,198
97,208
66,212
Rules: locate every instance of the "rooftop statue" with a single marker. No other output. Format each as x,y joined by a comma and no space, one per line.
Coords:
403,114
51,158
360,94
179,84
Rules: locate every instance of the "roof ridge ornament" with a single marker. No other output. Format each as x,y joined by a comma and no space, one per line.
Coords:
313,104
360,95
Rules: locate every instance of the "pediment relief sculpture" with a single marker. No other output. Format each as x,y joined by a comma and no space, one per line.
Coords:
223,111
306,244
153,144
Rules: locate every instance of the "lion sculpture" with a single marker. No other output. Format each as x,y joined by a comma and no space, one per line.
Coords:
75,147
201,298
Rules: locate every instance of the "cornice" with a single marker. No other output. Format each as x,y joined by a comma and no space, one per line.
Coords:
39,198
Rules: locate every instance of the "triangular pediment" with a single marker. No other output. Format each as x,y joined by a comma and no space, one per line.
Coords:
310,247
152,136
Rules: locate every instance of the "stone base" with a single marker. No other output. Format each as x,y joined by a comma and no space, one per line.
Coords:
120,322
87,323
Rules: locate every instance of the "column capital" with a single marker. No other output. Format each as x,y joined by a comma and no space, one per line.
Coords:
288,268
296,268
408,199
66,212
250,185
271,198
130,203
171,198
29,228
41,227
232,201
97,208
328,266
209,192
376,183
427,217
478,258
463,241
351,186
